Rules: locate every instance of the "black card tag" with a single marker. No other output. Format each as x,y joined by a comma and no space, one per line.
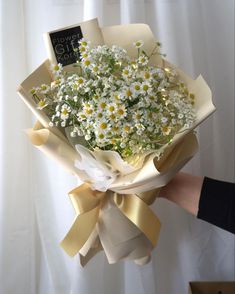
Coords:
64,43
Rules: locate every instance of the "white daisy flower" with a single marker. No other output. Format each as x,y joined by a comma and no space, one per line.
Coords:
146,75
143,60
102,126
88,109
80,81
128,92
138,44
112,117
140,128
102,104
34,90
152,98
64,113
86,62
121,111
84,55
95,69
101,138
136,88
112,107
56,83
83,42
56,69
138,116
127,128
44,89
115,129
146,87
127,72
42,104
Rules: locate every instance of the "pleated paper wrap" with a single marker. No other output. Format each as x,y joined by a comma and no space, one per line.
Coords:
112,205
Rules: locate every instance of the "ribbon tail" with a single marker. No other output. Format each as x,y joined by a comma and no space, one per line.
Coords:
80,231
92,252
138,212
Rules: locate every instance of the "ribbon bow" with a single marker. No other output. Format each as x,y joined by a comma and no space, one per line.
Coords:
87,204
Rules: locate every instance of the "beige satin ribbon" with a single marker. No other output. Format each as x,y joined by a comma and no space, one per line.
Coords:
87,204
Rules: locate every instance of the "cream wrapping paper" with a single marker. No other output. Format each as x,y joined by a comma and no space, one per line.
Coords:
135,177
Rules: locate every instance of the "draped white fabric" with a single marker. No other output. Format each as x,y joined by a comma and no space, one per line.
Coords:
35,212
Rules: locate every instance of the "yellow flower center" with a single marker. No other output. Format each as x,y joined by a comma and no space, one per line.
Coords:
117,97
111,108
112,116
99,115
80,81
89,111
145,87
103,105
101,136
128,93
137,87
84,55
56,67
103,126
147,75
64,112
120,111
115,128
41,103
127,128
87,62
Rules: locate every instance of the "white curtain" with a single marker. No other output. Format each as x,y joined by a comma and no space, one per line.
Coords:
35,212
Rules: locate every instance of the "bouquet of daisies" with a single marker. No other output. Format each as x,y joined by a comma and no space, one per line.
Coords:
123,124
117,103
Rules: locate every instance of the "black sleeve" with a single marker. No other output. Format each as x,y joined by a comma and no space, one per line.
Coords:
217,204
